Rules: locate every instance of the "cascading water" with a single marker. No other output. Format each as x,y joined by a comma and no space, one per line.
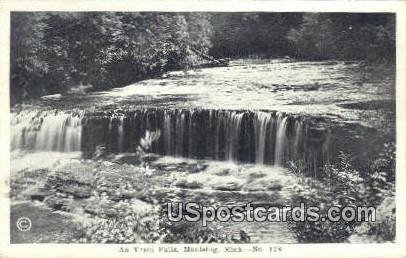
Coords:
280,141
180,130
245,136
298,138
120,131
47,131
190,134
233,125
263,121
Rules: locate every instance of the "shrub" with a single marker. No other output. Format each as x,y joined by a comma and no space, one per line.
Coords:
342,185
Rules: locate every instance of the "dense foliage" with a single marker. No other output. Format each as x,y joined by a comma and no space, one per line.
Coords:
56,52
343,185
52,52
253,34
345,36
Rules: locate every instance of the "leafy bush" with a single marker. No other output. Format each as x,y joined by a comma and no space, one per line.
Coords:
342,185
119,223
152,226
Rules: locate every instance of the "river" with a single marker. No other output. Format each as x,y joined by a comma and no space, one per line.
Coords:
254,115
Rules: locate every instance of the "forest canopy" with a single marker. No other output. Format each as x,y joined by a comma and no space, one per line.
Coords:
51,52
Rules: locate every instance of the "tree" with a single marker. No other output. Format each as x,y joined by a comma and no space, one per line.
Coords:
344,36
53,52
26,67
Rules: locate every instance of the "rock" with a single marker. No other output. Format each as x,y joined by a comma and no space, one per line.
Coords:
223,172
257,174
129,159
123,196
189,184
244,237
140,207
39,196
228,186
264,185
274,186
107,163
67,184
77,191
90,211
57,203
197,168
53,96
265,204
150,158
110,212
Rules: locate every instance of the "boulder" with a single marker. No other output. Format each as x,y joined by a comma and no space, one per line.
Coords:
39,196
188,184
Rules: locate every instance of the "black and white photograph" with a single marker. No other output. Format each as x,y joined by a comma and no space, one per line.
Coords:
202,127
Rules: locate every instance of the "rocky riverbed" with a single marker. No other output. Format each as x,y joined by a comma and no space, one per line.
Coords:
72,190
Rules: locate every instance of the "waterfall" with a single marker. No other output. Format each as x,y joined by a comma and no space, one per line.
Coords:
47,131
167,132
120,131
298,139
261,137
180,133
191,134
280,139
233,125
262,122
